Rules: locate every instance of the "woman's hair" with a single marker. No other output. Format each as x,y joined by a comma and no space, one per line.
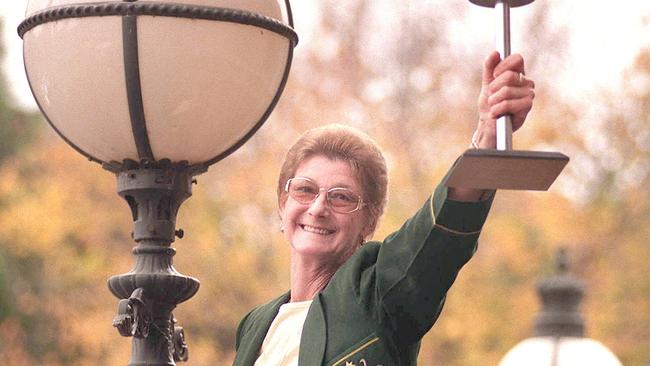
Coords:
339,142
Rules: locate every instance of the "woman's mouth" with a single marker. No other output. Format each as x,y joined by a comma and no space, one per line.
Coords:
316,230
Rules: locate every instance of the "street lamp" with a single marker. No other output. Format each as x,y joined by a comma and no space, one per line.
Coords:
559,329
156,92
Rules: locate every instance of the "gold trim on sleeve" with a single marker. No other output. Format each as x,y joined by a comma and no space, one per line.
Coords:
455,231
441,227
365,345
433,212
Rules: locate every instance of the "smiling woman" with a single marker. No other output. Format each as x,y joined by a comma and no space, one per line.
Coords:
355,302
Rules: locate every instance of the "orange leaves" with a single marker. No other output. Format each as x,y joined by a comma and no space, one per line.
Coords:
64,230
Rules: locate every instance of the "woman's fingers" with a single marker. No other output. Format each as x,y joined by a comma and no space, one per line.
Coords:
510,92
510,79
489,67
511,106
514,62
517,108
505,90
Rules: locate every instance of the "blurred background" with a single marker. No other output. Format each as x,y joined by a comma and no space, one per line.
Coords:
407,73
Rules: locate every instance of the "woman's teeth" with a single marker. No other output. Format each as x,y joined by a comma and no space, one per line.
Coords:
316,230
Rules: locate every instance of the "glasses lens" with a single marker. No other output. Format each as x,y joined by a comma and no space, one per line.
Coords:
342,199
303,190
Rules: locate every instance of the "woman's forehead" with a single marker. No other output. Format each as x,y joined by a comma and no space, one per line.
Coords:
327,172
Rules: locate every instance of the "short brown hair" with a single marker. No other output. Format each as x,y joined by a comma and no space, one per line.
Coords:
339,142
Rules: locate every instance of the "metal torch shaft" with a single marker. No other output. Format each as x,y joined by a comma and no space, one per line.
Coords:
504,123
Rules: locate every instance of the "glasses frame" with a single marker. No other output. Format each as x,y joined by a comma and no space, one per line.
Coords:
360,202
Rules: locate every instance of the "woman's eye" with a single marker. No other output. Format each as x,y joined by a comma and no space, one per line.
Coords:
343,196
306,189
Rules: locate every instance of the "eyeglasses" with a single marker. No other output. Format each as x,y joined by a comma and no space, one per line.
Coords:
306,191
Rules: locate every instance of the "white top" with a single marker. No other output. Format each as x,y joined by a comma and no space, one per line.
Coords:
282,342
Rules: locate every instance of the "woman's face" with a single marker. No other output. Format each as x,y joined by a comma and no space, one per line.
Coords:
315,230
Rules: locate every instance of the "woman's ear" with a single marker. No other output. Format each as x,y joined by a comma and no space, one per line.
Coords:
281,211
281,204
369,228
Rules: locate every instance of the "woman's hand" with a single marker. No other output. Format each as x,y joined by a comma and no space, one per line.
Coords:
504,90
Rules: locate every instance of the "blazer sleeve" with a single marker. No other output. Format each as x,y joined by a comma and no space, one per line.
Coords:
417,265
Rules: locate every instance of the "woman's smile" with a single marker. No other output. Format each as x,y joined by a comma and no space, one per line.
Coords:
316,230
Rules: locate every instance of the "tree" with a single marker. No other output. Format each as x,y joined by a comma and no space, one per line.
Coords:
64,231
17,126
17,130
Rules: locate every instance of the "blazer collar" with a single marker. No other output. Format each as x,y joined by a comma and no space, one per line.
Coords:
314,335
249,349
312,341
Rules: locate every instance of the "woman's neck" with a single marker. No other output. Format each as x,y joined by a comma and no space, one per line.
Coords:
308,277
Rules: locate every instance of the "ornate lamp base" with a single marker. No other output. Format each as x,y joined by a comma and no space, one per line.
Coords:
153,288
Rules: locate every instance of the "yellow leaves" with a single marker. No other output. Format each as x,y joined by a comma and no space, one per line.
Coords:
94,320
62,213
37,222
41,212
56,220
12,344
204,353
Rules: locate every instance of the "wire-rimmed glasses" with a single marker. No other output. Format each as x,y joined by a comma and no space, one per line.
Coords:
339,199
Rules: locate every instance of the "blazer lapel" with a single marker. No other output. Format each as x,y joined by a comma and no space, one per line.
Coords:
249,348
314,335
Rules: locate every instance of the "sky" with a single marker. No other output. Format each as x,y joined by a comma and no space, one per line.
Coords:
604,38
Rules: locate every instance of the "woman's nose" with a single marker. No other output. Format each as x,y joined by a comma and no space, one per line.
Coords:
319,207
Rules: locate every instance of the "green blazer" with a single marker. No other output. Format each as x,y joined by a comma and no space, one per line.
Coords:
386,297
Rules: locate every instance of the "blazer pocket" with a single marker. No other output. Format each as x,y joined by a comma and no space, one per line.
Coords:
367,352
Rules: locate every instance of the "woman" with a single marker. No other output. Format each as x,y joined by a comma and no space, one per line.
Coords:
362,303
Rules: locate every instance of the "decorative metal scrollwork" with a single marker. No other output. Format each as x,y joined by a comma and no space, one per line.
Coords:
134,315
181,352
123,321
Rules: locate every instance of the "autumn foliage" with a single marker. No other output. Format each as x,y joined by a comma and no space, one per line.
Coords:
64,230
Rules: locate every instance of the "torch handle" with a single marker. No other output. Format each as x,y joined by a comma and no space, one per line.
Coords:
504,123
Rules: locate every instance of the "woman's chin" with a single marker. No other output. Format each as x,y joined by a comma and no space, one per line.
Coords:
312,250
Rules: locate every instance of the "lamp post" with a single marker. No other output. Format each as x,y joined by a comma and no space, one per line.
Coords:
559,338
156,92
